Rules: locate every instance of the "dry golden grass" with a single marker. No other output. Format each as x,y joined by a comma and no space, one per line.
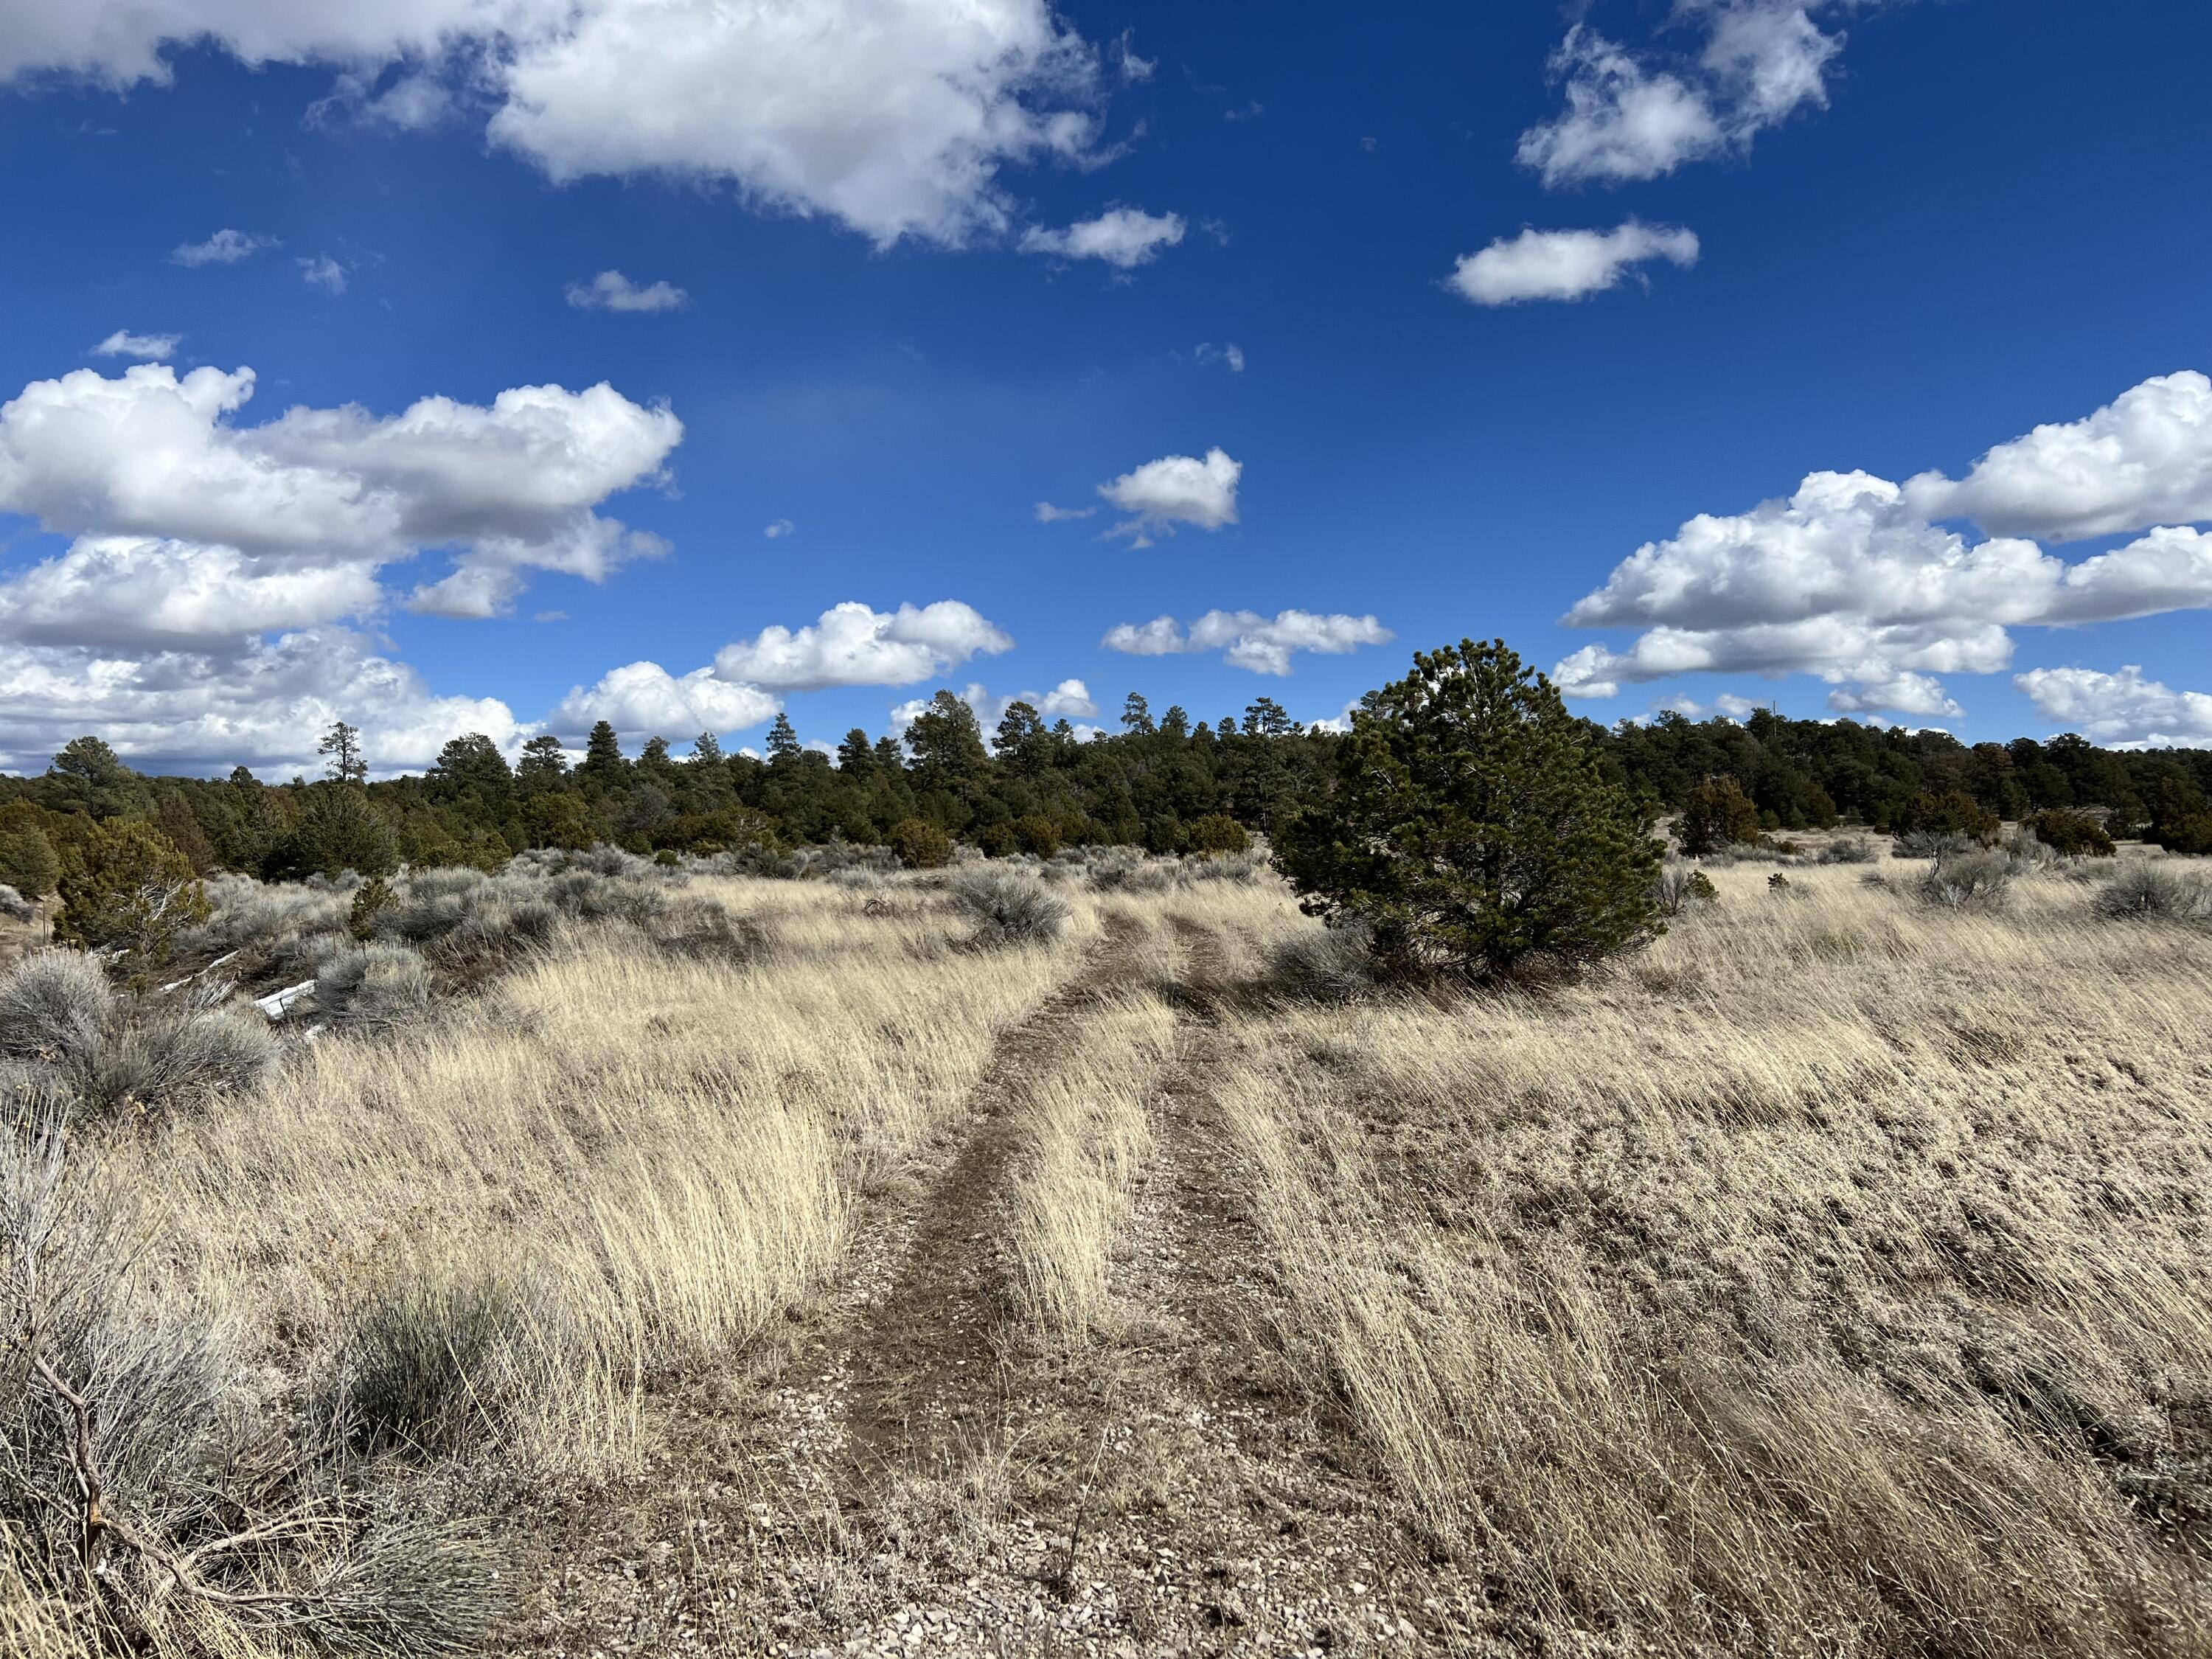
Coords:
1831,1277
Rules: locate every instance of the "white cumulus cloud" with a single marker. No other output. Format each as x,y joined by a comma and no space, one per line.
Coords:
2124,708
1247,639
2145,458
851,644
612,291
1633,115
1851,579
263,707
124,344
1123,237
895,116
1175,489
1566,265
154,458
643,699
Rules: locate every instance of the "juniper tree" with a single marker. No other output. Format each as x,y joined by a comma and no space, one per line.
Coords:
1472,826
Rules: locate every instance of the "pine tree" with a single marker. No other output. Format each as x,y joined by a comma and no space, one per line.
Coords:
783,745
947,745
1022,741
856,756
890,756
342,743
543,765
90,779
604,767
1473,828
706,749
1137,716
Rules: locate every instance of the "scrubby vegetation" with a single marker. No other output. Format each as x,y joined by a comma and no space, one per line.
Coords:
1040,1237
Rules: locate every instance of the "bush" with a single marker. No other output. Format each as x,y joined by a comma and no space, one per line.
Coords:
1009,909
920,846
1848,849
1717,815
379,986
421,1369
172,1062
2191,835
27,861
1325,964
56,1006
1969,881
1678,887
370,899
338,829
2072,835
1953,813
1036,834
1472,825
125,887
1245,867
2143,891
1217,832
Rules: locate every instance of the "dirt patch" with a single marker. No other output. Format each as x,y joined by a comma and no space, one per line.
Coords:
922,1366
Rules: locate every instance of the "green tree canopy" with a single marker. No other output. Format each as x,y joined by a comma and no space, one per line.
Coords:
125,886
1472,825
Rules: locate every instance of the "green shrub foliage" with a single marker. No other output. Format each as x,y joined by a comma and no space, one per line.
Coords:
920,846
1472,827
1953,813
2072,835
125,886
1718,815
28,860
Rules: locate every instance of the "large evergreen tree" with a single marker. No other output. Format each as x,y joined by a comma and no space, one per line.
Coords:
1473,827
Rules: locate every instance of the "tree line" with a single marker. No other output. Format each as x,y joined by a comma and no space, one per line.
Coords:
1164,782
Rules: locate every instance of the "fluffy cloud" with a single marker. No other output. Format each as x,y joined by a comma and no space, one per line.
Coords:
2123,709
194,540
225,247
2145,458
612,291
508,487
136,594
1629,116
1248,640
323,272
893,116
124,344
1175,489
1123,237
1849,579
1566,265
851,644
643,699
263,707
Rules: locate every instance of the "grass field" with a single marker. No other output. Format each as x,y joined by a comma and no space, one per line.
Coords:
1831,1278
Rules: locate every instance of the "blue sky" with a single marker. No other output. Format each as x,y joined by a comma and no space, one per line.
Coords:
1921,229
